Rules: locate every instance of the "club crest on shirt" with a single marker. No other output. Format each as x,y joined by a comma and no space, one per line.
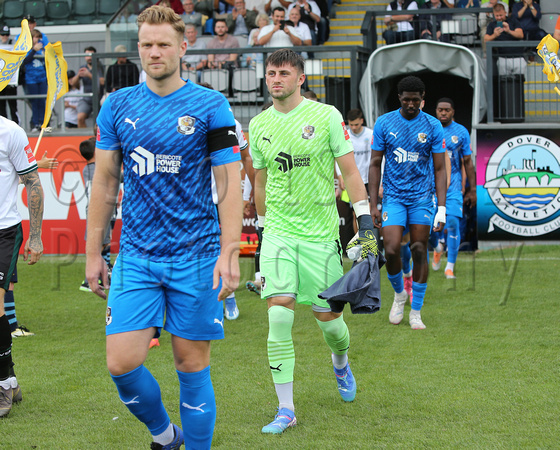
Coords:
108,317
454,139
422,138
385,216
308,132
263,283
186,125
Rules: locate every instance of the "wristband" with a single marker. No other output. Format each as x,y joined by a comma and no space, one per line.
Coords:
261,220
361,208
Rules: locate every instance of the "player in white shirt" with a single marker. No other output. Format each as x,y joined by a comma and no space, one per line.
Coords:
361,141
17,162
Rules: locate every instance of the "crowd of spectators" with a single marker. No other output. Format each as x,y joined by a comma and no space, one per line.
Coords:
410,25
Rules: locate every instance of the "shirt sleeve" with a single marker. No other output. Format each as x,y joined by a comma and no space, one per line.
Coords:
21,154
378,139
466,143
107,138
258,160
222,140
339,137
437,141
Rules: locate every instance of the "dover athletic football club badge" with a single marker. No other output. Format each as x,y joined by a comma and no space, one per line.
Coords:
308,132
455,139
422,138
186,125
523,182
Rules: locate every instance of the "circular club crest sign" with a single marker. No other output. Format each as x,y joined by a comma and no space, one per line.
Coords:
523,182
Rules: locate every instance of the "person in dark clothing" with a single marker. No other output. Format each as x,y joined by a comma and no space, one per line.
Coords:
123,73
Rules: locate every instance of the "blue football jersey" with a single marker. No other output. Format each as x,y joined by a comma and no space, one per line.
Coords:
457,144
168,146
408,146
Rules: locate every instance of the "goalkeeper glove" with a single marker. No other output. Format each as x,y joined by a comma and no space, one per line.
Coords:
365,238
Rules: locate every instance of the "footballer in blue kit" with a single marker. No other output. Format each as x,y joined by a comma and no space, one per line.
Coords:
174,265
412,143
458,145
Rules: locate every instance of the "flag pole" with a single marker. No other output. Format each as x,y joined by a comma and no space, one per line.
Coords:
38,142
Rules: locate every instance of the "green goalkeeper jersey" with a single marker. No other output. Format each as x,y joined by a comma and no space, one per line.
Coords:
298,150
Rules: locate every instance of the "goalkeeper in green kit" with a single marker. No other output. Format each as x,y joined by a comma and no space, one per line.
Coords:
295,144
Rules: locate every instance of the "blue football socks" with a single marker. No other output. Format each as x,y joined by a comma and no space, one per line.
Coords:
418,293
198,408
140,392
396,281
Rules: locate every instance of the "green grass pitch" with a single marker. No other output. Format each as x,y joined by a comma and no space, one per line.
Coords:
482,375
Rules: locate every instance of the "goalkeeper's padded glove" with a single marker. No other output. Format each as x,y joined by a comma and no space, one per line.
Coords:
440,216
366,238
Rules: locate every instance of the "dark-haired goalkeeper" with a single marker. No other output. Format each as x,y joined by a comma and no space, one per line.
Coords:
295,144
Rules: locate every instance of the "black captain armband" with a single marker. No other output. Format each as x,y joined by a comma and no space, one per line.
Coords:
222,138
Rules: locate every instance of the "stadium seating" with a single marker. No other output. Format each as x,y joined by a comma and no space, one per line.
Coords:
58,12
37,9
12,12
218,79
245,85
84,11
106,9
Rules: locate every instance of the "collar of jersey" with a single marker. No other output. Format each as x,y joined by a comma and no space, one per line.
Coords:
293,111
168,96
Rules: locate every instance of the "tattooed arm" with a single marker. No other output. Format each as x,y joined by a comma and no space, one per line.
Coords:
34,246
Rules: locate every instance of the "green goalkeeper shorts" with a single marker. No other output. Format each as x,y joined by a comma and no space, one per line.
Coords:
300,268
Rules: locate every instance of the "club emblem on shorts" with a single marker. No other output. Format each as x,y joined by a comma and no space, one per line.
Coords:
186,125
422,138
385,216
263,283
454,139
308,132
108,317
2,276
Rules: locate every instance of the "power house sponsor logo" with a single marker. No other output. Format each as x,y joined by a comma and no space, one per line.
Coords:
148,163
288,162
523,182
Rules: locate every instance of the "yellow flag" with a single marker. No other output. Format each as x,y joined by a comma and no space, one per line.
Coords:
547,50
10,60
57,77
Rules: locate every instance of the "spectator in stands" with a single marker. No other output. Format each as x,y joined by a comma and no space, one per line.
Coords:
32,23
190,16
557,30
84,79
271,5
222,7
468,4
71,104
240,21
257,5
11,87
194,62
528,12
253,41
36,80
485,18
504,29
427,29
311,16
123,73
301,28
399,26
222,40
175,5
279,33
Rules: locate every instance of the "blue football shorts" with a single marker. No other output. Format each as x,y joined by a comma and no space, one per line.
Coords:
454,204
177,296
402,214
